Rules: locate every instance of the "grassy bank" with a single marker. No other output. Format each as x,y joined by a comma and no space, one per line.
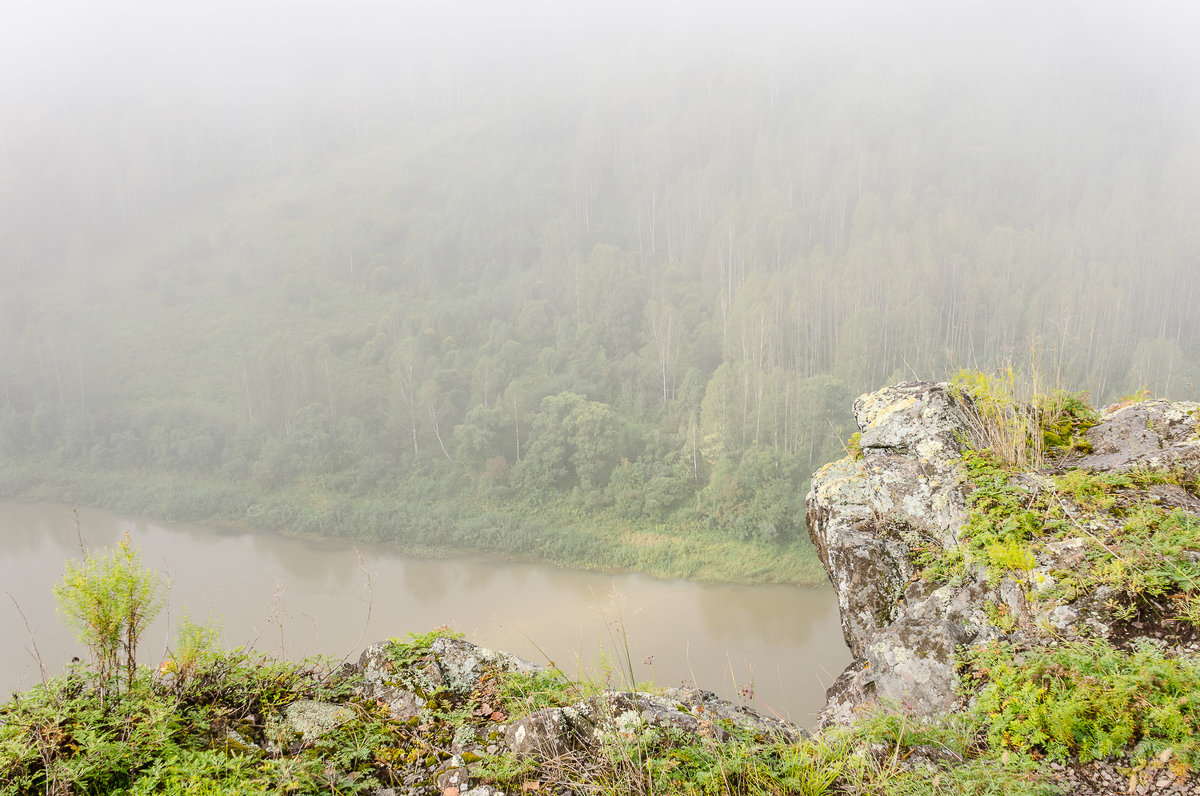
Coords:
681,546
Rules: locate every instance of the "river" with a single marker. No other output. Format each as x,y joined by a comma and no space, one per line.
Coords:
778,647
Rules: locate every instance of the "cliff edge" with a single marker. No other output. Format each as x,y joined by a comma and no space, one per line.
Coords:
938,548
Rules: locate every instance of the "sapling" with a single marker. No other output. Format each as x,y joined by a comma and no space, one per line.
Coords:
107,602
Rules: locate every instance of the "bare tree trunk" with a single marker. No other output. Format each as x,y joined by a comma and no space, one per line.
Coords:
437,433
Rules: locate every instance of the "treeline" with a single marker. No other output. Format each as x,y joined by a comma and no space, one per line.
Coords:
648,303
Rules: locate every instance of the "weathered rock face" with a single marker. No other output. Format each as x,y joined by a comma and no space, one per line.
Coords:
1154,434
871,516
455,666
455,672
867,517
551,732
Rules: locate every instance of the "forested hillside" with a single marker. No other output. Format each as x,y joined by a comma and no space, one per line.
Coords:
608,308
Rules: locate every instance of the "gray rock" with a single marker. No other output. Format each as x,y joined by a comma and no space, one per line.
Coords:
706,705
911,664
556,731
549,733
462,663
912,418
1145,434
311,719
1062,618
401,703
454,775
869,516
866,516
628,713
453,665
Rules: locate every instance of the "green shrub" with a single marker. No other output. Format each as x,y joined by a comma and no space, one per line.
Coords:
1092,700
194,645
107,602
854,446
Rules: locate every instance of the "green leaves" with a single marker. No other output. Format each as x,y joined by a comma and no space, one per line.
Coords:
107,601
1004,517
574,443
1090,699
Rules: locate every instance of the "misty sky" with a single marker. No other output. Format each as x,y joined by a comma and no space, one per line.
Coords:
88,45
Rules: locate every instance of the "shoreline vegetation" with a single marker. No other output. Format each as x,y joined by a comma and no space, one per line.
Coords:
557,535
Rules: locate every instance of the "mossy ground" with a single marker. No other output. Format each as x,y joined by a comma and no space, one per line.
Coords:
215,727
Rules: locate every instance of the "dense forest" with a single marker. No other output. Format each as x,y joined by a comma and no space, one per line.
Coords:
608,308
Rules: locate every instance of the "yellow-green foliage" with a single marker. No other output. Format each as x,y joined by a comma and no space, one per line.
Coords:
1155,552
107,601
1144,551
1089,491
194,643
1004,518
1009,554
1020,425
1092,700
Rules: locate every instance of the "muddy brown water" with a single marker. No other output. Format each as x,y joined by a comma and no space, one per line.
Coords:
774,647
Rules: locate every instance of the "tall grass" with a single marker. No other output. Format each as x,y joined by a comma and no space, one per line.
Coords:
1018,418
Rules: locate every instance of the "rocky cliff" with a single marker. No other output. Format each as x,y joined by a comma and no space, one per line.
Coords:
935,548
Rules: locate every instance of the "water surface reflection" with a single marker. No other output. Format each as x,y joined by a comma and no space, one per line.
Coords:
292,597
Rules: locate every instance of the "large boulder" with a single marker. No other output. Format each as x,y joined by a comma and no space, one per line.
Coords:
876,515
867,516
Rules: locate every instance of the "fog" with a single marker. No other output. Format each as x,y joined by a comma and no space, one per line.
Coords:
89,89
578,282
74,48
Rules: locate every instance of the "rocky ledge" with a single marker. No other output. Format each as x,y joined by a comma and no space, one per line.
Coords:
929,561
1028,600
460,713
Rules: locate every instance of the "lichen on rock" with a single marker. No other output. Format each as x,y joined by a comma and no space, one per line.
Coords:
879,517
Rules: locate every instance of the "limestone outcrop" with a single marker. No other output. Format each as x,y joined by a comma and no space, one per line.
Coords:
879,518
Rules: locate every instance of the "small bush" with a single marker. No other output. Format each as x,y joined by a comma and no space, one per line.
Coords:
1092,700
107,602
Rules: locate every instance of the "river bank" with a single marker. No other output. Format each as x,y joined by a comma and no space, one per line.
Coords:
292,597
681,546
